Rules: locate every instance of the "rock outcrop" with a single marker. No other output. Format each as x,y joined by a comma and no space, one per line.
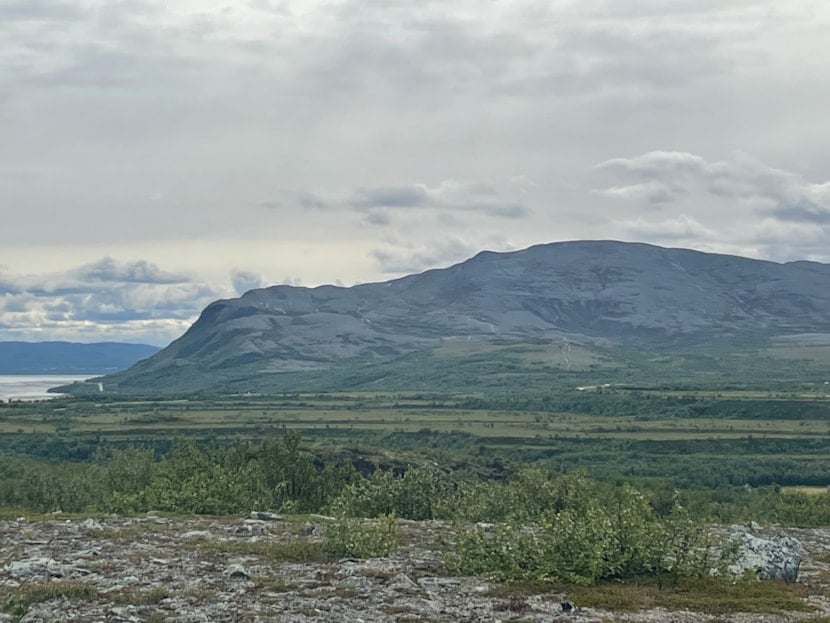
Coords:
774,558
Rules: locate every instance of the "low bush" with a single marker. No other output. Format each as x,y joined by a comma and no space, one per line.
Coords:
584,538
361,539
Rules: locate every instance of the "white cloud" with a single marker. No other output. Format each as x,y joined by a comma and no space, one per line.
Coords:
397,257
652,192
244,280
378,204
136,300
668,175
683,228
777,214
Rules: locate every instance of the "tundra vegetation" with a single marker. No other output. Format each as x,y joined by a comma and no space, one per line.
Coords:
573,487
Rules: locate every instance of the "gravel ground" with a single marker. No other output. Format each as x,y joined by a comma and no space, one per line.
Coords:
193,570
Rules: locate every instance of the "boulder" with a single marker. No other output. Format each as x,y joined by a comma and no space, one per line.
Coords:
92,524
776,558
35,568
196,535
265,516
237,572
309,529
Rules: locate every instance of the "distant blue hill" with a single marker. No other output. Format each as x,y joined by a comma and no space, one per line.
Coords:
70,357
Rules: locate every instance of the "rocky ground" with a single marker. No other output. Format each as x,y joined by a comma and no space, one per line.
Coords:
188,570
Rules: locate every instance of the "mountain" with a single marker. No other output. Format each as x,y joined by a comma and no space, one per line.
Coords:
69,358
593,294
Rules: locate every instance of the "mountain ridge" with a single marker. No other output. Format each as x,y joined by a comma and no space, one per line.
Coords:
606,292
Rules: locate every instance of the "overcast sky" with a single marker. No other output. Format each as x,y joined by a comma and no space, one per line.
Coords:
156,155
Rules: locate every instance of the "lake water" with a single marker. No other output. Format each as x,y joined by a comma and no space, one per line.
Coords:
33,387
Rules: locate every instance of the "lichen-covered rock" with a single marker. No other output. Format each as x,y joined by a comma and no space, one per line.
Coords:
91,524
776,558
35,568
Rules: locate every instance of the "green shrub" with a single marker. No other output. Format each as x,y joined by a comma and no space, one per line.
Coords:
585,537
360,539
420,493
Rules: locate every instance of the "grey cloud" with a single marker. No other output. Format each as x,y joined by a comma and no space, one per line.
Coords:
804,212
103,104
769,191
109,270
38,10
409,53
415,195
660,8
138,297
413,260
312,201
534,50
652,192
243,281
639,59
403,258
93,66
379,203
14,303
657,165
683,228
378,217
791,240
135,301
6,287
514,211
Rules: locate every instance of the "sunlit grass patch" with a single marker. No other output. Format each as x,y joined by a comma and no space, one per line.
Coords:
709,595
272,550
806,490
714,596
17,602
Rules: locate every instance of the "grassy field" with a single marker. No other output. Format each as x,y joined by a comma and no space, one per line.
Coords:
364,411
806,490
689,436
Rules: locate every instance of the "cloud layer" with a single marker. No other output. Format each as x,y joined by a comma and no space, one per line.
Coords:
133,301
379,204
780,214
254,142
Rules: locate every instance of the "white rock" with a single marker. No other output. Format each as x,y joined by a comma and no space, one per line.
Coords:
91,524
266,516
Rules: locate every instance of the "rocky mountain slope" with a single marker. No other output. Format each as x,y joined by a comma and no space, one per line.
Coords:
589,291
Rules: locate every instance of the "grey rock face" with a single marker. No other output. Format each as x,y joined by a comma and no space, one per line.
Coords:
776,558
